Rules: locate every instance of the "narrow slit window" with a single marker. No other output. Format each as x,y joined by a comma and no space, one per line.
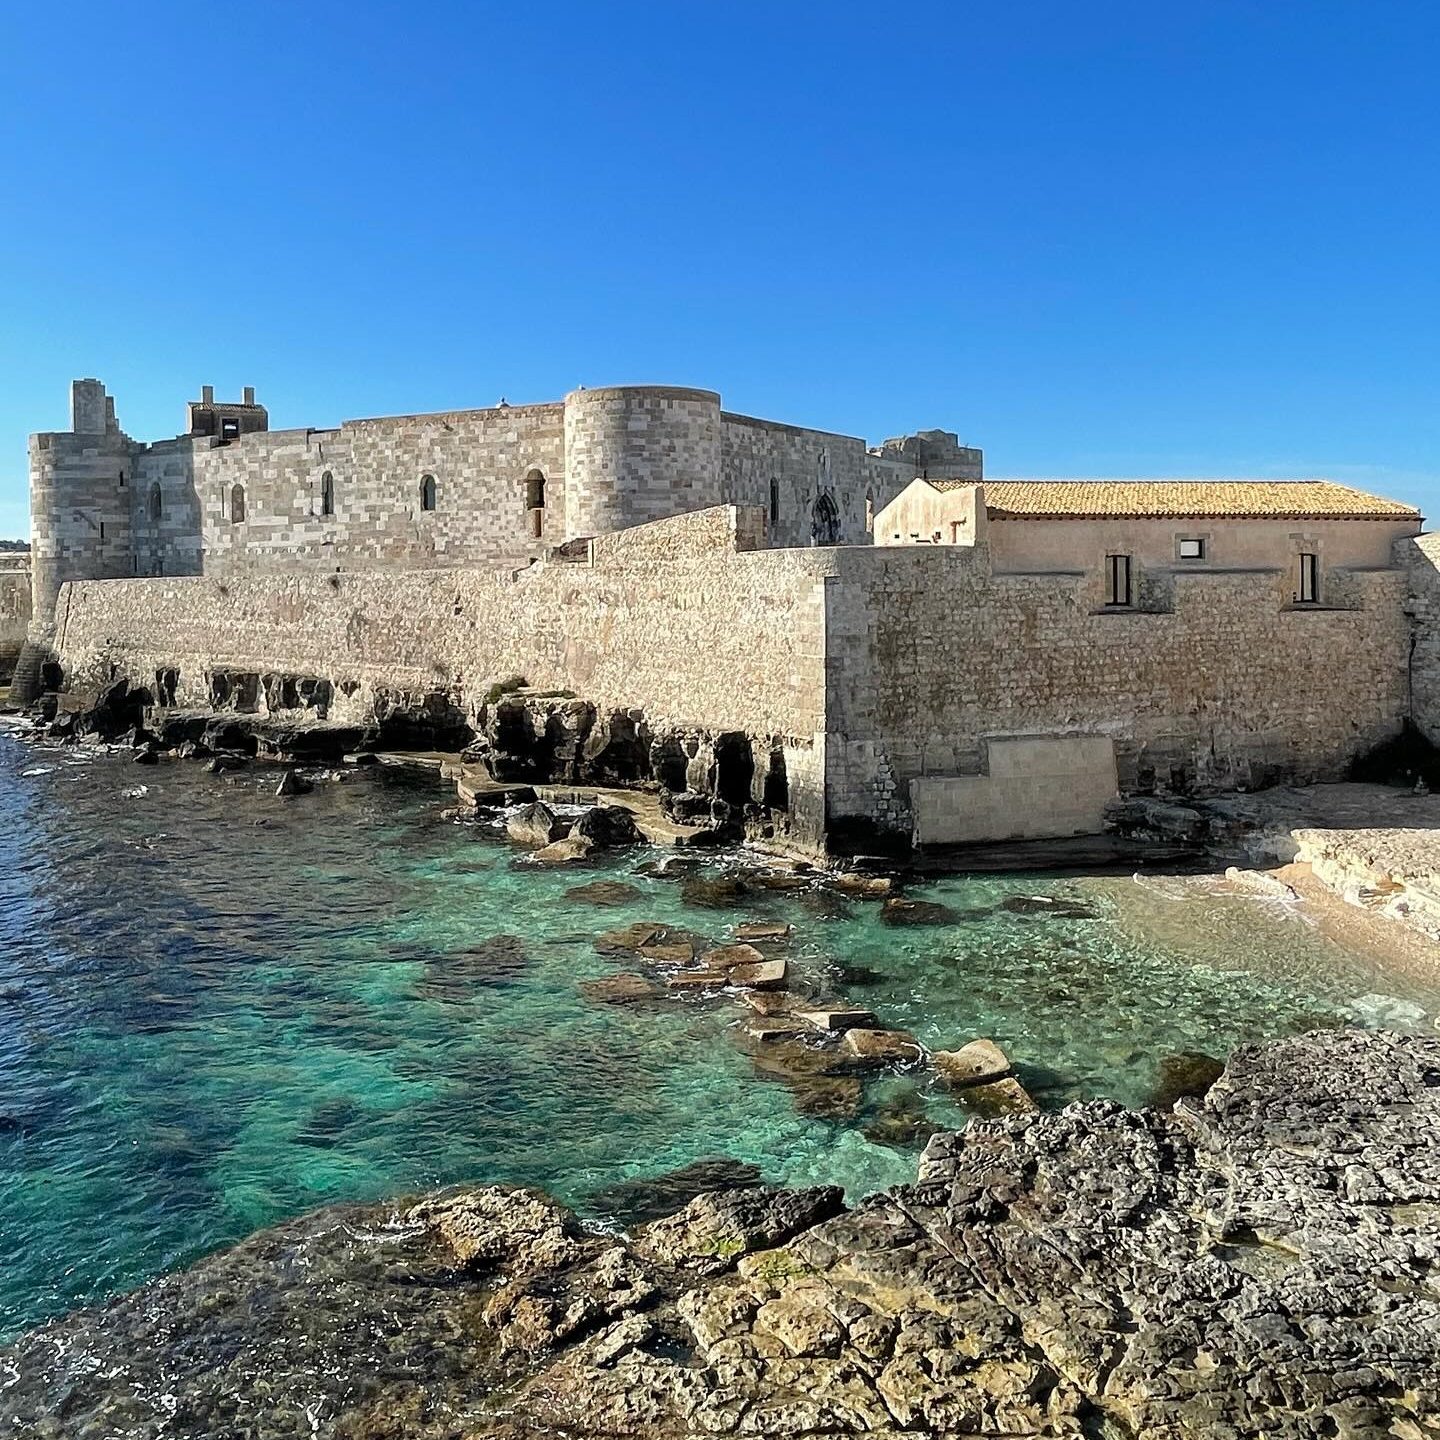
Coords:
237,505
1309,592
327,494
1117,579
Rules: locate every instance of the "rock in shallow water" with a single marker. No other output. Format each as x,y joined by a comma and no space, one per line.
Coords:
1257,1264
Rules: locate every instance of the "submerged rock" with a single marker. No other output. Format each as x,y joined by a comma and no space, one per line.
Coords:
622,989
604,892
1188,1073
760,932
636,1201
915,912
870,1048
713,891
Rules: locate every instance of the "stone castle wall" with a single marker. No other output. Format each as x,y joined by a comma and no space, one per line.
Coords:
14,611
877,669
1219,684
697,635
478,459
1421,559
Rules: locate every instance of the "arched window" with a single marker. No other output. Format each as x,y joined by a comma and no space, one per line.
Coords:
327,494
427,492
825,520
535,501
869,512
774,502
156,504
237,504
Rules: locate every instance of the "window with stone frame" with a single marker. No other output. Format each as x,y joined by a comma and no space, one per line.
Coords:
1117,580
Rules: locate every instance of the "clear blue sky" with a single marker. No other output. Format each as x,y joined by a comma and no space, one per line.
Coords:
1095,238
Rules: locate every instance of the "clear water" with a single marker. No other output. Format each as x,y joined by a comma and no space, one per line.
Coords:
219,1009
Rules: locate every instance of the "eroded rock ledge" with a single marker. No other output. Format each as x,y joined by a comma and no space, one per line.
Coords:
1259,1263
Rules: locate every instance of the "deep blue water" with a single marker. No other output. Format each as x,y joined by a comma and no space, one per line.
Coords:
219,1009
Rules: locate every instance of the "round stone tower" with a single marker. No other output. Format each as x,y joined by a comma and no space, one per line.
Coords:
635,453
81,482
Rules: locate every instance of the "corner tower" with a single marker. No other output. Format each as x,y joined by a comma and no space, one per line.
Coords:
80,488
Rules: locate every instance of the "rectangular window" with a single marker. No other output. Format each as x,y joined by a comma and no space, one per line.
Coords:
229,429
1309,592
1192,549
102,529
1117,579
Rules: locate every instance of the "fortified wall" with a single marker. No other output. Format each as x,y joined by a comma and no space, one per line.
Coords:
14,610
909,692
968,704
1421,559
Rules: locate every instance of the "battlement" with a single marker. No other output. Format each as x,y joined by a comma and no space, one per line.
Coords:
935,454
226,420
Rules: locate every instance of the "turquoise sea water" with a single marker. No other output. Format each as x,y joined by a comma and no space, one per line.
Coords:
219,1009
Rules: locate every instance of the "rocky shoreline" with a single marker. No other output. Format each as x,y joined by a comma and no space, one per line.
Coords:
1256,1263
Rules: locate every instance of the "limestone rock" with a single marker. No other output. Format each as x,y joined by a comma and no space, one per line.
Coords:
609,826
713,891
866,887
536,824
705,979
572,850
727,957
977,1063
650,940
523,1228
757,932
875,1049
896,911
839,1019
603,892
1256,1265
713,1231
1260,882
653,1197
622,989
999,1097
1187,1074
762,975
291,783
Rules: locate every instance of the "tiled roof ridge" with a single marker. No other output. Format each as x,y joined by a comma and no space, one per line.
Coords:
1185,499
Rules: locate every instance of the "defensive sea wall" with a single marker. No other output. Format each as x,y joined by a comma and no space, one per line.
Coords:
911,691
1421,559
14,611
684,619
1214,681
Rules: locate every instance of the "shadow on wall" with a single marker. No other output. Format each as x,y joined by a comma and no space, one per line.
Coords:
165,526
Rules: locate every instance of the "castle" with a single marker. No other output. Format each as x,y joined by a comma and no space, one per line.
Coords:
898,650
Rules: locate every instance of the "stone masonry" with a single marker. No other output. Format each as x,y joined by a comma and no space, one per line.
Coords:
876,670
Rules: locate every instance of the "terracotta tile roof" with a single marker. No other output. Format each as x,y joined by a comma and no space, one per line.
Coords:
1185,499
